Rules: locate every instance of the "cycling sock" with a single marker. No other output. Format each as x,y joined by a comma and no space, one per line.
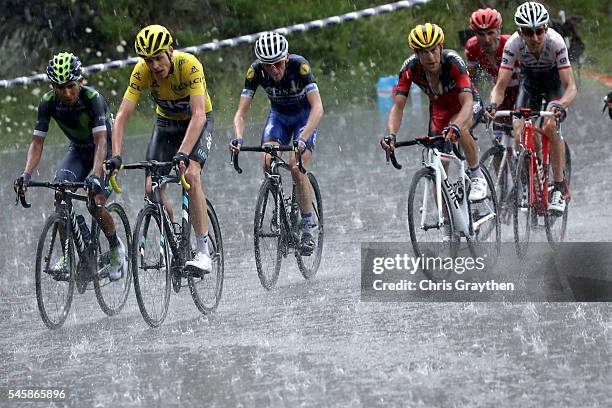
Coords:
560,186
307,221
476,172
202,243
113,241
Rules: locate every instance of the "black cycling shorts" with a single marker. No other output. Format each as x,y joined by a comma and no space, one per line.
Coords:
78,162
531,92
168,135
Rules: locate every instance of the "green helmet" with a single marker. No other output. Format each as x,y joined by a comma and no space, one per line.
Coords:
64,67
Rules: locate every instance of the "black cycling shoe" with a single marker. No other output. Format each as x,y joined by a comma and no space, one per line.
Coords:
307,244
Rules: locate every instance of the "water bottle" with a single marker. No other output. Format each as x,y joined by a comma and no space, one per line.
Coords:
83,228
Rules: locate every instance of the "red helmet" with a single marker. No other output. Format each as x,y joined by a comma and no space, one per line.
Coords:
485,19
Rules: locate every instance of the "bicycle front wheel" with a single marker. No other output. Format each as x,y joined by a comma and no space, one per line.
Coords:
556,225
524,213
55,272
430,222
151,266
267,235
206,290
309,265
501,172
112,295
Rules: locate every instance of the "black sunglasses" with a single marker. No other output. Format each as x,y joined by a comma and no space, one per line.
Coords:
528,32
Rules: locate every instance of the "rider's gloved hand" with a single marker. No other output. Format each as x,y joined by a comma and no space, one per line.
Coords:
301,145
22,181
388,142
452,132
112,164
94,184
236,144
558,109
181,157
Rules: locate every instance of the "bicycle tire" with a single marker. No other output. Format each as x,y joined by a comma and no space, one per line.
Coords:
309,269
523,212
112,295
557,235
499,176
490,238
65,278
212,281
424,243
268,227
154,317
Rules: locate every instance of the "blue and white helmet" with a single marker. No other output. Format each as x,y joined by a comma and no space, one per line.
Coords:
271,47
531,15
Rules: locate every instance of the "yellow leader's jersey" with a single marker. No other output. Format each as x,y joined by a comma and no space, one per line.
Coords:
171,94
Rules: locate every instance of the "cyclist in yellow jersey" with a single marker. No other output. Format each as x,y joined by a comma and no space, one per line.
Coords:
184,123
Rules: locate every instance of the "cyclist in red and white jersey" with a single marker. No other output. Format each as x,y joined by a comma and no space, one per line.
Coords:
483,54
442,75
546,73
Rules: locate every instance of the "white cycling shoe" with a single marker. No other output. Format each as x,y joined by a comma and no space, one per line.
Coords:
479,189
200,261
557,202
117,263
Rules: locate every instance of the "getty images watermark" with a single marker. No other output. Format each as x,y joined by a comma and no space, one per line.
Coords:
567,272
442,265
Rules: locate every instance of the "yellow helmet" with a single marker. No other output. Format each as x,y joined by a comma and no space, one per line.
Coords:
152,40
425,36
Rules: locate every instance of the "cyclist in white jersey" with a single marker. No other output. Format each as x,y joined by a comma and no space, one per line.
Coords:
546,73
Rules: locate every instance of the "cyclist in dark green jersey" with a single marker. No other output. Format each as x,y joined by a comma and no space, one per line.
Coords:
83,115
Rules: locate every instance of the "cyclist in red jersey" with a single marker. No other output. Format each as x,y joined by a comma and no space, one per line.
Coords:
483,53
443,76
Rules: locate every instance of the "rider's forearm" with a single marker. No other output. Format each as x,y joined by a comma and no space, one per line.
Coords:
569,95
395,119
497,94
34,155
194,130
314,117
118,133
464,117
239,125
99,154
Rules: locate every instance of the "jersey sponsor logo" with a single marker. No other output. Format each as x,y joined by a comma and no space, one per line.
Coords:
563,61
137,76
198,80
154,84
194,69
134,86
250,73
304,69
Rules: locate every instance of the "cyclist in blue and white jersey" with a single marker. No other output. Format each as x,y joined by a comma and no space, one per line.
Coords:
295,112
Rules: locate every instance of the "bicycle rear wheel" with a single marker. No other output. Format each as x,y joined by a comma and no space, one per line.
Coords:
309,265
151,266
524,213
267,235
206,290
501,172
486,223
55,272
556,225
112,295
429,237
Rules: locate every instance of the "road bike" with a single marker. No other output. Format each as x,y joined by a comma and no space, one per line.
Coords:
500,162
69,254
161,248
277,225
534,181
439,212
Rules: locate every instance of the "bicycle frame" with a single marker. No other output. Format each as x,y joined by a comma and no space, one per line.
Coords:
276,163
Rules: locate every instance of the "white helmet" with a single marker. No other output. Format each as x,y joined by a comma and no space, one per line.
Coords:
271,47
531,14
